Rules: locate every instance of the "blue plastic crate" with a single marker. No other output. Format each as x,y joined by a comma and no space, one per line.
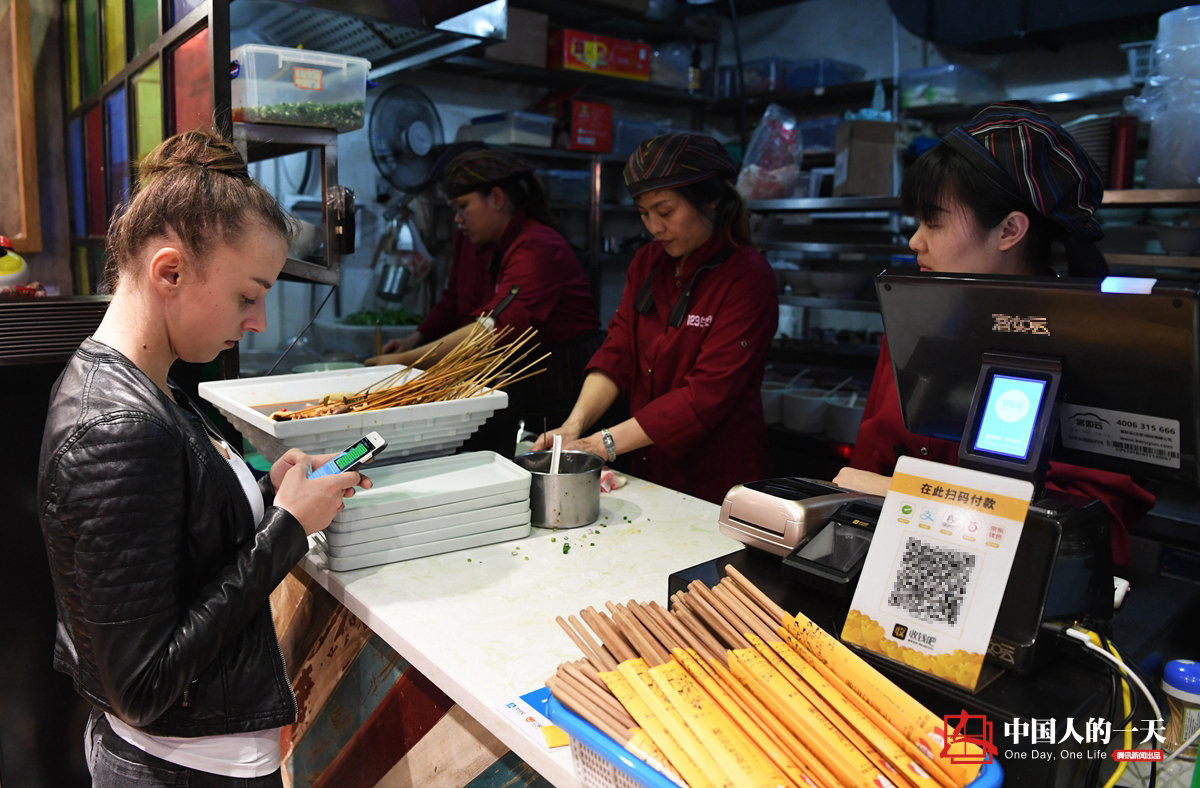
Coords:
820,72
600,762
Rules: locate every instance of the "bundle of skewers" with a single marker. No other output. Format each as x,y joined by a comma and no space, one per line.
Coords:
486,360
727,689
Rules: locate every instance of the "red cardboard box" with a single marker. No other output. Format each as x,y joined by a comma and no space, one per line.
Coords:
579,51
587,125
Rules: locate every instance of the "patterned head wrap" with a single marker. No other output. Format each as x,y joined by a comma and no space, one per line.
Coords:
1036,161
477,169
436,170
672,160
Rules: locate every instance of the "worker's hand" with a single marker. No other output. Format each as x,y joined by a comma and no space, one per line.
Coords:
400,344
546,439
314,502
406,358
863,481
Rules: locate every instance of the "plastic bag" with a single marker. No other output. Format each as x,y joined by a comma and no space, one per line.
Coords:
771,168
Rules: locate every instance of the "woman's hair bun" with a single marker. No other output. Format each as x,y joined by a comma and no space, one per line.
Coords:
202,149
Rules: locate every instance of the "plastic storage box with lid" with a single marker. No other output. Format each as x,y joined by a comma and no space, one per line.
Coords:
298,87
950,83
764,75
819,72
510,128
411,431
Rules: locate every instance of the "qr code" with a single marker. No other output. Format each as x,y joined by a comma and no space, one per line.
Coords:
931,582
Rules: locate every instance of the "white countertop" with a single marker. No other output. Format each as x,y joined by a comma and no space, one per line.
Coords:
479,623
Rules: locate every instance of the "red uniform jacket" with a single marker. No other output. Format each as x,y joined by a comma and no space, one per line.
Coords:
695,389
469,287
882,438
553,295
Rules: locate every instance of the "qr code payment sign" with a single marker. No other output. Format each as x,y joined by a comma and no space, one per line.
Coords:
938,564
931,581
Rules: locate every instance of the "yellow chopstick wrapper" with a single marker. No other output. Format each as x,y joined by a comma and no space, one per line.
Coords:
738,757
723,693
657,746
700,769
879,698
849,766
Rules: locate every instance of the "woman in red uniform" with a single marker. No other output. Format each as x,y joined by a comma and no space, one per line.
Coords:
501,208
688,343
992,198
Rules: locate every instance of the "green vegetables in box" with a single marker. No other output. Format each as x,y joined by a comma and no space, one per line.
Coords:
382,317
339,115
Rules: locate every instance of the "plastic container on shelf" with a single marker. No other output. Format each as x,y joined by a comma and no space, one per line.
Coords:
298,87
629,134
510,128
764,75
568,186
820,72
819,134
950,83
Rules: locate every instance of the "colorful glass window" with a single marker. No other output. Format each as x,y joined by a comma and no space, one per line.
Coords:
191,76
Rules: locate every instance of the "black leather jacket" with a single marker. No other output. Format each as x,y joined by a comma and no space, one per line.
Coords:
161,578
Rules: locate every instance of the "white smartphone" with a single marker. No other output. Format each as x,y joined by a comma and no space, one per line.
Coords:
365,449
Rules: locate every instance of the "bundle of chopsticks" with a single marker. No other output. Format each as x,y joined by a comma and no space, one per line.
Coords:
727,689
484,361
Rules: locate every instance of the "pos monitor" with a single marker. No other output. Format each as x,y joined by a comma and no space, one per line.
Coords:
1104,374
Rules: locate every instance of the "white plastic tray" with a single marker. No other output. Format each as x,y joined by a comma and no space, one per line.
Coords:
452,526
359,530
431,428
436,481
342,564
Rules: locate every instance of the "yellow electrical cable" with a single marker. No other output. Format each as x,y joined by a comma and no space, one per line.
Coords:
1126,702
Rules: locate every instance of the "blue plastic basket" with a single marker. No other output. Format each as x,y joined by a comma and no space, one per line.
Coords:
602,763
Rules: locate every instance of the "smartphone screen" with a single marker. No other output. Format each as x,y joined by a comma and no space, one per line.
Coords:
362,450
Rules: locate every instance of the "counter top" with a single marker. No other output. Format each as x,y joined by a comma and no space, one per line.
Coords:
480,623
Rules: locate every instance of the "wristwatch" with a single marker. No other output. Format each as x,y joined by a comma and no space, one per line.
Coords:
610,446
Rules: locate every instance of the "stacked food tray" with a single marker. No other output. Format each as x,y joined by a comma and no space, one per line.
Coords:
431,506
411,431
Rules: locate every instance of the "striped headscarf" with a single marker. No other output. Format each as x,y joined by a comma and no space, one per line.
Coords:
1035,160
672,160
477,169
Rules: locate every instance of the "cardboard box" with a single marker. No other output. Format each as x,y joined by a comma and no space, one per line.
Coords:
577,50
866,155
528,34
587,125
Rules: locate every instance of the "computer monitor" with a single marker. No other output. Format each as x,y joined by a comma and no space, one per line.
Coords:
1110,377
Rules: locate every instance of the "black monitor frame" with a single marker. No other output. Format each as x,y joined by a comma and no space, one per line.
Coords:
1136,355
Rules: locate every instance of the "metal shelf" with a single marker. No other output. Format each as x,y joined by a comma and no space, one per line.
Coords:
1153,260
1151,197
822,302
832,247
809,204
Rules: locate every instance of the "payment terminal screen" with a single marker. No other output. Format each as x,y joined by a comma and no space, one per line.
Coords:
1010,413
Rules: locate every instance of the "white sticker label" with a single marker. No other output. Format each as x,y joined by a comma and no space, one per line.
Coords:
307,78
1131,436
841,167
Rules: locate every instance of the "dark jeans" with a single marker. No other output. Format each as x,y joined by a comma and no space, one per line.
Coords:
115,763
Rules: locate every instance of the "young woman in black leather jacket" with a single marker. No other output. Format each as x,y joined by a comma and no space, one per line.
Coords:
163,548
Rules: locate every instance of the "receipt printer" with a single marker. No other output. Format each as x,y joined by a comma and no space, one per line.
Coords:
776,515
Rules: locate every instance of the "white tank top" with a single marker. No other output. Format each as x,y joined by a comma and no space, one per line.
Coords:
250,754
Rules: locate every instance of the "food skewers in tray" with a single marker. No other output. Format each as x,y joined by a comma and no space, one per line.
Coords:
484,361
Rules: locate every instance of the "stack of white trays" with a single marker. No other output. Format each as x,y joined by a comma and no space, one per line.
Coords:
430,506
